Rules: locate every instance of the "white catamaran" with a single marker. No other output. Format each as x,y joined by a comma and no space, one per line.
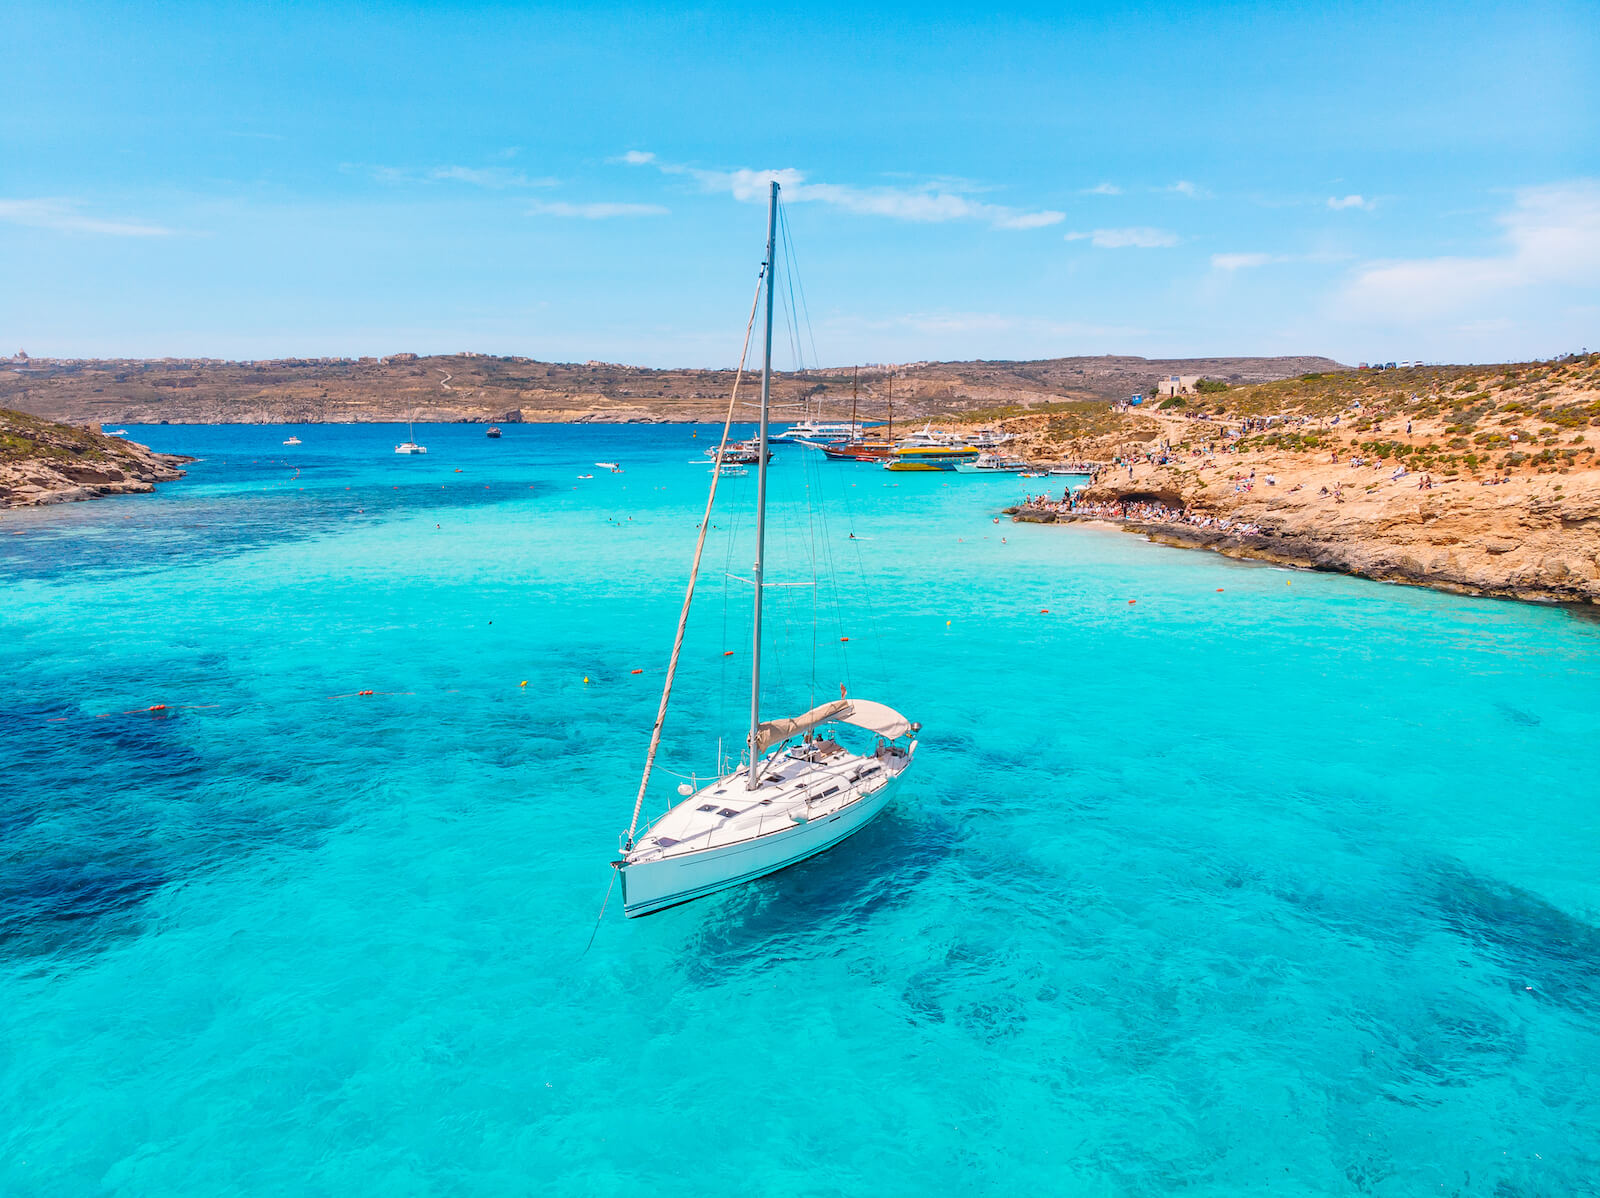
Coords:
798,791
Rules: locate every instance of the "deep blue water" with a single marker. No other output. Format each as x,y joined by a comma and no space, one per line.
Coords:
1266,882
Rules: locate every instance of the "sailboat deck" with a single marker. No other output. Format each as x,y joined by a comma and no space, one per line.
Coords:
793,790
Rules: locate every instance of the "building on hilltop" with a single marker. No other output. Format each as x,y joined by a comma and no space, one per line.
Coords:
1177,384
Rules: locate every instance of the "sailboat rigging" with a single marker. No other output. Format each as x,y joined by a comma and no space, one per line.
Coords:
798,791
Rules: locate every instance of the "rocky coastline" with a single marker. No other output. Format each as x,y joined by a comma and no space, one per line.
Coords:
42,462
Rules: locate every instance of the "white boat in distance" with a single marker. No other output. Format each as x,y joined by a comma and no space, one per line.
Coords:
821,432
411,446
994,463
798,791
292,441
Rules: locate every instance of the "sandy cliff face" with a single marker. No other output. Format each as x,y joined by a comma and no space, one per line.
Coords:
1481,480
1524,539
43,462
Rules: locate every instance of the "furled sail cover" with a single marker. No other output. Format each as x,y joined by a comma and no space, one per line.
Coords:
874,717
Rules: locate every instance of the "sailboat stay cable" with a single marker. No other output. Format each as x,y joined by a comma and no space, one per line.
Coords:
694,570
796,280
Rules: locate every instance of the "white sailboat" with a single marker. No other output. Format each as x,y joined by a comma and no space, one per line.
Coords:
410,444
798,790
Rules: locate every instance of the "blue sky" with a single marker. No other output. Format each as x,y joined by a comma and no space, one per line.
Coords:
1366,181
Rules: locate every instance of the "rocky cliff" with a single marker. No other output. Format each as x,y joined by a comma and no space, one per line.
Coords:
44,462
1470,479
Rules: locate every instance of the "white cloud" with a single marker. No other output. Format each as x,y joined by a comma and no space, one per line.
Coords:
1551,238
1351,201
927,202
1137,238
1101,189
1185,188
1241,261
62,216
495,177
595,211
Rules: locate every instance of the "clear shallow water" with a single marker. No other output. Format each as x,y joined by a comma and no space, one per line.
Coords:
1289,887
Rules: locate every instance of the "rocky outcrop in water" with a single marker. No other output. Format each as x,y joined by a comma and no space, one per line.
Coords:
44,462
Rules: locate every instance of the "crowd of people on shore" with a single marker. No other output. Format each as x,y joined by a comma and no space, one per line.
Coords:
1139,512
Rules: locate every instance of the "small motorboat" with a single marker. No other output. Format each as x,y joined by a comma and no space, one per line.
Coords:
494,432
116,432
611,466
292,441
994,463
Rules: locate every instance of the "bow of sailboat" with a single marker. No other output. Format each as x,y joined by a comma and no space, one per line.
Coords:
798,788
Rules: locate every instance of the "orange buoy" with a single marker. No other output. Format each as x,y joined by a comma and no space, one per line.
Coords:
363,692
524,682
157,707
636,671
1219,590
728,653
843,639
1131,602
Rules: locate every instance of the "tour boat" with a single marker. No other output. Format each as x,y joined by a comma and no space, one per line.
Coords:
798,791
863,449
994,463
988,438
494,432
739,453
929,457
859,451
410,445
820,432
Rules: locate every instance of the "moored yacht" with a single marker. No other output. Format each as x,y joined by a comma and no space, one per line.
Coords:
410,444
798,790
737,453
821,432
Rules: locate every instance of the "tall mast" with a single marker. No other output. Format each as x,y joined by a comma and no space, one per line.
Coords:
761,498
855,372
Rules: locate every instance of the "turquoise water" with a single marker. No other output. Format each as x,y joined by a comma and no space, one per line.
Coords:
1288,886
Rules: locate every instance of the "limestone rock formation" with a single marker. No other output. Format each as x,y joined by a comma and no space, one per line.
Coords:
44,462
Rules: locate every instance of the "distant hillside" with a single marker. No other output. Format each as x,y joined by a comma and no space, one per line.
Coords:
474,387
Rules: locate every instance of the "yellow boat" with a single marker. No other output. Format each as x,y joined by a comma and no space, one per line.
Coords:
930,457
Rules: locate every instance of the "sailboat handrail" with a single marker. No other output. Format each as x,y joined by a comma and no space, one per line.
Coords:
694,570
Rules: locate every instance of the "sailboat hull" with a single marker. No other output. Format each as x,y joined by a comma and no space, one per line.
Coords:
649,886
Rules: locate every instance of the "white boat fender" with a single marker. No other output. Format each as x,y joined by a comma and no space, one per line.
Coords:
799,817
